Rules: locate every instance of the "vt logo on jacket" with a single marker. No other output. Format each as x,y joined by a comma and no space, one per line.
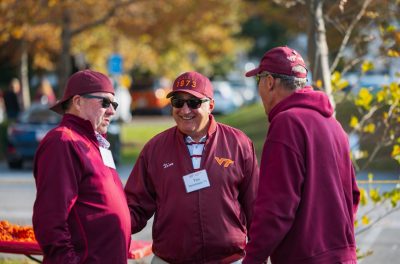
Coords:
223,161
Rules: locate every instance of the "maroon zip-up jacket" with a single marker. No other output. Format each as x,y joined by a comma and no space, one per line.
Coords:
80,213
205,226
308,194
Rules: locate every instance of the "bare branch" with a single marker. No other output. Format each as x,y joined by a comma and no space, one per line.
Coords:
348,34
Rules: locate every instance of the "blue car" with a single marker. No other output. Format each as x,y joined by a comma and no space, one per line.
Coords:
32,125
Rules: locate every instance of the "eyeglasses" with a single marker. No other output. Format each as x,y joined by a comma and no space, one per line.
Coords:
193,103
260,75
105,103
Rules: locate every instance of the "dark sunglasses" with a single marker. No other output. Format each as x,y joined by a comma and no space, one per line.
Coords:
193,103
105,103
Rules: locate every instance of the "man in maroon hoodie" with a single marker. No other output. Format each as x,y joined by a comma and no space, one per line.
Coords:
80,213
307,195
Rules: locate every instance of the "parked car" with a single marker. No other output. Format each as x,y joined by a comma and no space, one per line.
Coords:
247,89
227,100
32,125
149,96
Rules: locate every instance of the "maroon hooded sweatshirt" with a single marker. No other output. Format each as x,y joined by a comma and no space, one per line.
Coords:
307,195
80,214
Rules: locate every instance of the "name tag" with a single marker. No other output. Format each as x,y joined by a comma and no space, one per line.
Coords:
107,157
196,181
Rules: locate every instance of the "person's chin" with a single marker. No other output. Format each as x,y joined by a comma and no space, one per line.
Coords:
102,129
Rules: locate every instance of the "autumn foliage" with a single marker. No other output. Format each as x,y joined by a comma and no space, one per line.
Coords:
16,233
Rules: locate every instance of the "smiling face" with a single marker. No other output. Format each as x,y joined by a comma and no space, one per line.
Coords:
192,122
91,109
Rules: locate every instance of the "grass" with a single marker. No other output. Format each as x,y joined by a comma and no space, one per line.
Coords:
252,121
135,135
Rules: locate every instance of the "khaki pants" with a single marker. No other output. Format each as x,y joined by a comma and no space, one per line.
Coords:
157,260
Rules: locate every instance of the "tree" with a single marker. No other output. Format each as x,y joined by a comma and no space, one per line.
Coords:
162,38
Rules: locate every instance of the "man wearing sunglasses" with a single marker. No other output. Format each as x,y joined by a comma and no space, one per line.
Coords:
199,179
80,213
307,198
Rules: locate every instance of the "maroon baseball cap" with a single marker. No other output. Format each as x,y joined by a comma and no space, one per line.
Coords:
281,60
193,83
84,82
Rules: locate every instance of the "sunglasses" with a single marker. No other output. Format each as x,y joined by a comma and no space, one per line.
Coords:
193,103
260,75
105,103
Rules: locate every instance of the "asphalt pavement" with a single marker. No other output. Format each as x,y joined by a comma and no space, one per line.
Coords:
17,194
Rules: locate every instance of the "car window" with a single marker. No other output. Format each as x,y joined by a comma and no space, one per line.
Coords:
40,116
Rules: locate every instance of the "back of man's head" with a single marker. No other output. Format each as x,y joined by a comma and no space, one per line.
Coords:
284,63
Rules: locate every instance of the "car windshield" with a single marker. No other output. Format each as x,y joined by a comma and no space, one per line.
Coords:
39,116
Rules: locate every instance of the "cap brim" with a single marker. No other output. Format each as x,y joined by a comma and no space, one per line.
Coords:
57,108
198,95
253,72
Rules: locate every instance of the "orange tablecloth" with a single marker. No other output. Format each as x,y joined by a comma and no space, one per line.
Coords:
138,248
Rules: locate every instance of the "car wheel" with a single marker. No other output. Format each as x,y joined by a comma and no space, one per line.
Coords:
15,164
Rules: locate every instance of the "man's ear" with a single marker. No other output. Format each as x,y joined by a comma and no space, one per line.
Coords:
76,102
271,82
212,104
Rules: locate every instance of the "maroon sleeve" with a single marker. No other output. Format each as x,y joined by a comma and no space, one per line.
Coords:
278,197
56,172
140,194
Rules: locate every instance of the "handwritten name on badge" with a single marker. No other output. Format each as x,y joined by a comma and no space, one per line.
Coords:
196,181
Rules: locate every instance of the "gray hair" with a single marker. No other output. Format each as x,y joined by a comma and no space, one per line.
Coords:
289,82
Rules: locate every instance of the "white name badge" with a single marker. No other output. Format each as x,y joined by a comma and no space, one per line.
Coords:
107,157
196,181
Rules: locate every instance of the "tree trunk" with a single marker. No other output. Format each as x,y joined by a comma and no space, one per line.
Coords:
318,52
26,97
65,66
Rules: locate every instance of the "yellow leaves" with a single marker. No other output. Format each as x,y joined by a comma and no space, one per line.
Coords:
380,96
364,99
353,122
393,53
370,128
363,197
395,198
18,32
365,220
367,66
318,84
338,83
396,153
374,195
371,14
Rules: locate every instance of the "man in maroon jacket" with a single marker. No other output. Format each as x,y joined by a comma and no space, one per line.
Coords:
80,213
199,179
308,195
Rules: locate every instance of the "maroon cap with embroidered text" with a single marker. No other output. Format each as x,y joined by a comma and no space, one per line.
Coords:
84,82
281,60
192,83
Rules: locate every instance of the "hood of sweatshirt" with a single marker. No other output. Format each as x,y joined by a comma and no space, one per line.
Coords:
304,98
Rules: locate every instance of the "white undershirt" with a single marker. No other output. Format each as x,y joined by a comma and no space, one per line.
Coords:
195,150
